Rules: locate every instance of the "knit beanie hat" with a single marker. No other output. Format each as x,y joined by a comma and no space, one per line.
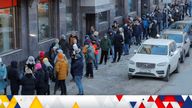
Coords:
41,54
46,62
30,60
60,56
38,66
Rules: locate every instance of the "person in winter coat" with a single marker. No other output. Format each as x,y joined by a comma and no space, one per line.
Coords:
13,76
96,53
75,53
88,51
41,79
77,67
105,46
145,27
3,77
137,32
61,69
110,35
153,29
52,50
127,38
28,82
64,45
48,68
118,46
31,62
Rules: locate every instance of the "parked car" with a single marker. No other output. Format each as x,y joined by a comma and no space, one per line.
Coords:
182,41
155,58
185,26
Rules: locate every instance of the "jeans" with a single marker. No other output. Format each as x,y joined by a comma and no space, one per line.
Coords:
96,61
79,84
126,49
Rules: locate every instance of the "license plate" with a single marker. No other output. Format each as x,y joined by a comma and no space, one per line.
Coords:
145,70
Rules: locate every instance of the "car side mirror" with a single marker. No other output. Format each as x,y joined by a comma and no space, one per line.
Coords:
135,51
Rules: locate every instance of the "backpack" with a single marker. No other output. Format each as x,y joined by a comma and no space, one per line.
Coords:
50,71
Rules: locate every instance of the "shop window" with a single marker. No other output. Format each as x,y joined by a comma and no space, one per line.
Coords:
132,5
43,20
7,27
69,15
103,16
155,2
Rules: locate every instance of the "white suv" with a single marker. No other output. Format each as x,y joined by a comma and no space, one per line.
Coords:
182,40
155,58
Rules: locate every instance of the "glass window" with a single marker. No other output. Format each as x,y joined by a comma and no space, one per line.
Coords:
7,29
103,16
69,15
43,20
154,49
132,4
156,2
118,7
176,37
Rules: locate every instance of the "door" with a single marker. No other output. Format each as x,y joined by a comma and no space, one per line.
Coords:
186,44
90,21
173,57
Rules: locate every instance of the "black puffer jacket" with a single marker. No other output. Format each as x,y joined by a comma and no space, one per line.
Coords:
13,76
28,83
42,80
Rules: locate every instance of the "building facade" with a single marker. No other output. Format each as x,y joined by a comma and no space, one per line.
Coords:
29,26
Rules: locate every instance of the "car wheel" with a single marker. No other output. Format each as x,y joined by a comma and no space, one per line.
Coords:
167,75
182,58
130,77
177,69
188,54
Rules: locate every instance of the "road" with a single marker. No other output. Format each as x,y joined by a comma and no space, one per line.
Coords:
112,79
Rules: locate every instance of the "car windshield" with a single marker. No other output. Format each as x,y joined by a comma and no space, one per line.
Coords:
153,49
178,26
176,37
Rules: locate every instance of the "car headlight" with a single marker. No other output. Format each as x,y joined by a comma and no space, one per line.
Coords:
162,64
131,62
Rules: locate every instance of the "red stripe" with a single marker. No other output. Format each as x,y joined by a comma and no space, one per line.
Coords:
7,3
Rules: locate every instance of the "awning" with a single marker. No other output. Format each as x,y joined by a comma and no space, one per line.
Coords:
7,3
43,1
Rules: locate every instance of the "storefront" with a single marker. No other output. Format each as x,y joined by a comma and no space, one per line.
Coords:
8,26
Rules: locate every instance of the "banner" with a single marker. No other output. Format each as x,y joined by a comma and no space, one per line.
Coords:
7,3
118,101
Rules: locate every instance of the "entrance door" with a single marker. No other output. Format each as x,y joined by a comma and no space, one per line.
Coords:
90,21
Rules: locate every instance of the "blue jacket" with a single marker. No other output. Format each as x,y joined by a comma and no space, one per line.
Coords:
77,66
3,76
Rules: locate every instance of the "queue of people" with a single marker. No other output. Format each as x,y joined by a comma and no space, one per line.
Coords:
55,65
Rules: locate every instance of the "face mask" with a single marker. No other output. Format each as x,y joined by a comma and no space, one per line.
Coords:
105,37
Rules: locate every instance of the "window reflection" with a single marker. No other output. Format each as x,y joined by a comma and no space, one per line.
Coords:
7,39
43,20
